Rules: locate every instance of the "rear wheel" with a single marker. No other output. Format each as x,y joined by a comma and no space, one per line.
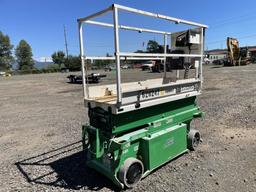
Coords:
85,140
131,172
193,139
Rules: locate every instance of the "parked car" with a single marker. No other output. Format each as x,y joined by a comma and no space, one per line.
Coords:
147,65
136,66
220,61
126,67
64,70
110,68
2,73
206,61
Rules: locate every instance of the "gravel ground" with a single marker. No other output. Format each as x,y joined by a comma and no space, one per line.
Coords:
40,131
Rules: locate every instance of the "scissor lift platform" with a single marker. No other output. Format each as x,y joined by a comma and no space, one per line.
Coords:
136,127
137,95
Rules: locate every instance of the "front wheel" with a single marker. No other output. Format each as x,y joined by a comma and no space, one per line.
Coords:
131,172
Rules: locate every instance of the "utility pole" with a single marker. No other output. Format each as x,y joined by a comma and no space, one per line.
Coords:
66,44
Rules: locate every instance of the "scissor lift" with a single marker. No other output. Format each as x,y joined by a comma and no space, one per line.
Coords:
138,126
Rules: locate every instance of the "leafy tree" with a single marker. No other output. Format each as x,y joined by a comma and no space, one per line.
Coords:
73,63
53,67
24,55
161,49
58,58
6,58
154,47
100,64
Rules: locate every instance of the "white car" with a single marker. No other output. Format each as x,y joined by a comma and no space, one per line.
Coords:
125,67
206,60
147,65
2,73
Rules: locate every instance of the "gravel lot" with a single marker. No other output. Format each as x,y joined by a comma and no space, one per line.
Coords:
40,131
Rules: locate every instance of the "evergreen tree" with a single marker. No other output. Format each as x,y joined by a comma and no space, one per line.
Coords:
24,55
6,58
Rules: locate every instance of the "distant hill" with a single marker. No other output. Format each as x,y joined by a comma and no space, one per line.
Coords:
40,65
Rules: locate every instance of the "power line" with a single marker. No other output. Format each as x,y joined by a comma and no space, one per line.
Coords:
234,18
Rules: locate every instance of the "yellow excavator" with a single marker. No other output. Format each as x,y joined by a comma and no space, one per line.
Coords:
236,56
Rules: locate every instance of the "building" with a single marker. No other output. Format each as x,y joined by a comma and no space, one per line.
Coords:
216,55
220,54
252,51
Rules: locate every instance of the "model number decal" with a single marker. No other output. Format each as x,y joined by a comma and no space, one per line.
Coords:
150,93
169,142
188,88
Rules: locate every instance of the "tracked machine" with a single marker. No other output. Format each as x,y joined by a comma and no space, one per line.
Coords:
136,127
236,56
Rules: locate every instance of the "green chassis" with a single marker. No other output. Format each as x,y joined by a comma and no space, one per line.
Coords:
154,135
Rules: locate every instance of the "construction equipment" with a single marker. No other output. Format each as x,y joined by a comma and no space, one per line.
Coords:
136,127
236,56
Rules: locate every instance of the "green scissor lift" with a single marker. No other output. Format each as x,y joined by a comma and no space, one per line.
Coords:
136,127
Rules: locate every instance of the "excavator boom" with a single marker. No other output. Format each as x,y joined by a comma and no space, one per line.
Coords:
236,55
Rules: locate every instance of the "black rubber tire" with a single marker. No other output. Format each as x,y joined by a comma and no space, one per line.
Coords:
193,139
131,172
85,141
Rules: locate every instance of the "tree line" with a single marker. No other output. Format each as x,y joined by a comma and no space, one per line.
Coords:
73,63
152,47
23,57
23,54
